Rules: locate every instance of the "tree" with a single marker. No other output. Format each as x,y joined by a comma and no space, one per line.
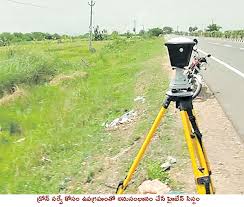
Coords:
56,36
38,36
100,34
193,29
115,35
97,34
128,34
213,27
105,34
155,32
167,30
48,36
142,32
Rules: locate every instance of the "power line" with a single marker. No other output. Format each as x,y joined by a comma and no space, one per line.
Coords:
27,4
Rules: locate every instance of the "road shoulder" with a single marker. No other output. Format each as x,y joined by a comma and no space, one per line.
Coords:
224,147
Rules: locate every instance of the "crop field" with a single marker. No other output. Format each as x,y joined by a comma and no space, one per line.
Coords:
55,100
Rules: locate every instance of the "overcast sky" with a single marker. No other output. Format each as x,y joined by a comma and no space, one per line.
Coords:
72,16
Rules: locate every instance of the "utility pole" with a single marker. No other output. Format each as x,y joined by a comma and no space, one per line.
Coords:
134,29
91,4
143,27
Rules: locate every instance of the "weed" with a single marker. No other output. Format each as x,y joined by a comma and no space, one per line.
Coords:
154,171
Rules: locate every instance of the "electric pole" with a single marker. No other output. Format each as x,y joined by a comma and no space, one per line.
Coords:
143,27
91,4
134,29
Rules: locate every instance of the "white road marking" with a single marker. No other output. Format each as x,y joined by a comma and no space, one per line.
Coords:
228,45
224,64
242,48
214,43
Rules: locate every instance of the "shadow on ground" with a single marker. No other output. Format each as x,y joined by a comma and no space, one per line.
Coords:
205,94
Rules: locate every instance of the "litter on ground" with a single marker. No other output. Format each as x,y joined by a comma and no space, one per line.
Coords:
126,118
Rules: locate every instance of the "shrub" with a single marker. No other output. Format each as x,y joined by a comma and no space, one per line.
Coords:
26,69
155,32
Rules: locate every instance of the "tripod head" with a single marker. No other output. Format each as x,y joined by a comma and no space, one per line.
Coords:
180,50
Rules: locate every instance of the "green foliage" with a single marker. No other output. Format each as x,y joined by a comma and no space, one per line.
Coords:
128,34
234,34
213,28
155,32
193,29
154,171
56,132
168,30
31,69
100,35
115,35
142,32
7,38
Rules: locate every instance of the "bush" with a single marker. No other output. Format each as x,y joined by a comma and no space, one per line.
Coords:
26,69
155,32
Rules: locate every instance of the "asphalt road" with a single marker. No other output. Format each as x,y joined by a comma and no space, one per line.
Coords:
225,77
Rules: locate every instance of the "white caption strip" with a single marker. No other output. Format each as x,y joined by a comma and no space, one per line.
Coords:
224,64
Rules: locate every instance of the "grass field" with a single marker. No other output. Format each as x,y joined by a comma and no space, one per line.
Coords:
52,138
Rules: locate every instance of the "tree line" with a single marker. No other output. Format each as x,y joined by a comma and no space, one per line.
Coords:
214,30
7,38
153,32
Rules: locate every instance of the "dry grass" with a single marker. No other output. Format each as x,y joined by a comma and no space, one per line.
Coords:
62,77
18,92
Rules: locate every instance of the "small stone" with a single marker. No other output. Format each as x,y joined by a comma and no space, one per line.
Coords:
126,118
166,166
45,159
140,99
153,187
171,159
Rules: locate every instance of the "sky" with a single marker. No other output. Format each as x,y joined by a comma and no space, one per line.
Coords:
72,16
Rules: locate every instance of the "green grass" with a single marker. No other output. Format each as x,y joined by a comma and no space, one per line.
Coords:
61,126
154,171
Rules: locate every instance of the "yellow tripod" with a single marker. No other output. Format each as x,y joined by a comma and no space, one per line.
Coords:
193,136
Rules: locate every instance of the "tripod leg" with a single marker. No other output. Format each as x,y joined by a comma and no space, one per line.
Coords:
192,113
204,151
123,184
197,156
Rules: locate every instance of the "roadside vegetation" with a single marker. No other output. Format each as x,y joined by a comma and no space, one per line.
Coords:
214,30
53,137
